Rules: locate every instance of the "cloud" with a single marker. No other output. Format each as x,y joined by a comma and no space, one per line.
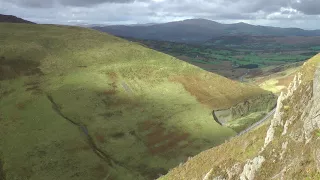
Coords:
309,7
52,3
263,12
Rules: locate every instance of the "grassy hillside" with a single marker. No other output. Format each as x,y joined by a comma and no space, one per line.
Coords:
288,156
144,112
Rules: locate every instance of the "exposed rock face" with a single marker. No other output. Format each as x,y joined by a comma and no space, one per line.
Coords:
251,168
277,115
262,103
312,120
277,119
234,171
208,175
219,178
286,125
294,85
284,148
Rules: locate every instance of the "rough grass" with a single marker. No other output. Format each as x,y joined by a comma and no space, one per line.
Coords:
242,123
275,82
112,86
237,149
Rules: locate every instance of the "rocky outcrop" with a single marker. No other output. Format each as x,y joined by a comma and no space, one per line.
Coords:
277,119
234,171
312,120
284,148
208,175
294,85
251,168
263,103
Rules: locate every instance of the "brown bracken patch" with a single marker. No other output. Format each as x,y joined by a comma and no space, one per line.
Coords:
113,76
99,137
285,81
109,92
21,106
209,92
159,140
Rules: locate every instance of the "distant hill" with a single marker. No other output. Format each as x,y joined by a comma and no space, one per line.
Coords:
200,30
248,39
13,19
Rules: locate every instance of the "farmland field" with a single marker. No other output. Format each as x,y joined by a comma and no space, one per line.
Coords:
237,60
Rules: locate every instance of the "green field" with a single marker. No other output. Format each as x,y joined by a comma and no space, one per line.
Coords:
235,61
144,111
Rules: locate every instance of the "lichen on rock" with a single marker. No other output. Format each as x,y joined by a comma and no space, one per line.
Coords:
251,167
234,170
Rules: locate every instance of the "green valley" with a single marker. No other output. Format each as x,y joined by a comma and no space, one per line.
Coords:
80,104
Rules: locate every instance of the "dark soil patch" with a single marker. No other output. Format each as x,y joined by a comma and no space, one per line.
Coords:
117,135
10,69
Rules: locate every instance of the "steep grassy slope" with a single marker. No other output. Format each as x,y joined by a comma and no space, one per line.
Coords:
286,148
79,104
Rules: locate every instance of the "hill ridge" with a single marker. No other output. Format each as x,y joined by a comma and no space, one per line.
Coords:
200,30
13,19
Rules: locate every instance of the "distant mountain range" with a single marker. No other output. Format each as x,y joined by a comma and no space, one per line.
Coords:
13,19
199,30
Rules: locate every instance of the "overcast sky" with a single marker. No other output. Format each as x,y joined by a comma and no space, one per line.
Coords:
283,13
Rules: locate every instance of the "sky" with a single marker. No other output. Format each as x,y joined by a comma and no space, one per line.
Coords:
281,13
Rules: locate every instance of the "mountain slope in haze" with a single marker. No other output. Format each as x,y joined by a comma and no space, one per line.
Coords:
200,30
13,19
271,42
287,147
80,104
